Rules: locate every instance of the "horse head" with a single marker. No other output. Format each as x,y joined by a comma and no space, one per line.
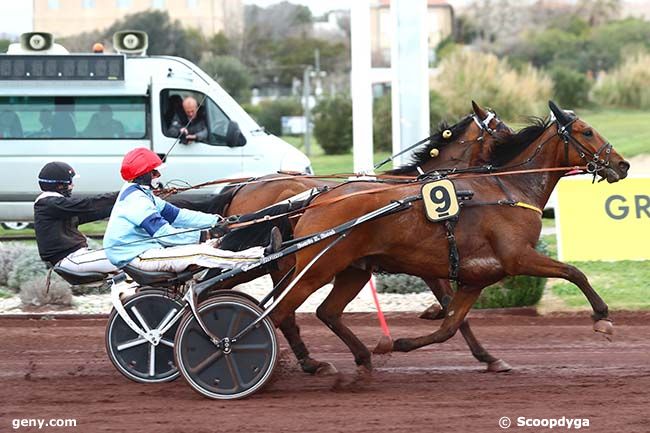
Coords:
583,145
461,145
489,122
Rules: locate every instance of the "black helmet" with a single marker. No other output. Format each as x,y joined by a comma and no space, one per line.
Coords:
56,176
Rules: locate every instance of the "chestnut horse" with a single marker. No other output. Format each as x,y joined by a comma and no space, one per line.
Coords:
463,145
494,240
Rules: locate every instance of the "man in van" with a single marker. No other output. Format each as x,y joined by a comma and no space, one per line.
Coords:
57,216
195,129
151,234
103,125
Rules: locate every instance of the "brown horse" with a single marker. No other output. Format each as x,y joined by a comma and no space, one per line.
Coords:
493,240
463,145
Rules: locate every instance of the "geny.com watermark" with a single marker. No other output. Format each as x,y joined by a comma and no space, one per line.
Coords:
550,423
40,423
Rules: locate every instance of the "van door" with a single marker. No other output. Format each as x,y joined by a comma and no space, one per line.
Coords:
190,129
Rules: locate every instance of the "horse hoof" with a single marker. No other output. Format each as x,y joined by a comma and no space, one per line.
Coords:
604,327
310,365
350,383
364,372
402,345
498,366
434,312
384,345
326,369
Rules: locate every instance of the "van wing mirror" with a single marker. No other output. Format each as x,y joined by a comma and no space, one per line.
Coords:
234,136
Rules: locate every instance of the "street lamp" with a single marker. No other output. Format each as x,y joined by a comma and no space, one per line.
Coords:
307,75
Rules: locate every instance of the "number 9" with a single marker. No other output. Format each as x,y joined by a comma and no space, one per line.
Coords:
440,196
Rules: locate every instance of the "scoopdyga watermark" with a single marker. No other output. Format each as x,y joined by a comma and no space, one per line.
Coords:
549,423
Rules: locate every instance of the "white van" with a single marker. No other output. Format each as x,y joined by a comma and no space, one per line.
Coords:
90,109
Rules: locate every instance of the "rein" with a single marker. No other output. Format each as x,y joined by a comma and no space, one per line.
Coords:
243,181
294,213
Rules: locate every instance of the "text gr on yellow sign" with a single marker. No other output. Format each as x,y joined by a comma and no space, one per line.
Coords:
603,221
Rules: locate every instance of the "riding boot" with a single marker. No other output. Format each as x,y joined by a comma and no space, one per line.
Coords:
275,243
274,246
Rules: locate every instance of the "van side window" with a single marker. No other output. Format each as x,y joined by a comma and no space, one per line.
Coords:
73,117
218,122
209,124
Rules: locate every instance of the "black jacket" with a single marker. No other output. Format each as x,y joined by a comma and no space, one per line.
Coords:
56,219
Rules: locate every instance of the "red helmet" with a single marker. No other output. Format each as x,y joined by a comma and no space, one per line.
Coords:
137,162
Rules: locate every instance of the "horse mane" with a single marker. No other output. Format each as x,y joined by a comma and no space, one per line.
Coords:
422,155
508,146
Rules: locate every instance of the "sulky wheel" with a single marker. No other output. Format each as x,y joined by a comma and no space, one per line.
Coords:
132,355
231,369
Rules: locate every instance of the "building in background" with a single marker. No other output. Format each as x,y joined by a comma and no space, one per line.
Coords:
440,23
70,17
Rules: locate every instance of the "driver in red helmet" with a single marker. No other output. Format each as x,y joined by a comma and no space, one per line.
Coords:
151,234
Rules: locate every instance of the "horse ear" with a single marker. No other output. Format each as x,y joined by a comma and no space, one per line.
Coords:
560,115
479,111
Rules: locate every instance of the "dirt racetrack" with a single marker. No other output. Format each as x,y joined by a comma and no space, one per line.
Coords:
58,369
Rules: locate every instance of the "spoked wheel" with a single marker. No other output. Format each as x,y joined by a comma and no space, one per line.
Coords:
134,356
233,368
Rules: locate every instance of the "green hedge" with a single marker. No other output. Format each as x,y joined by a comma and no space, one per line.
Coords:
571,88
23,272
382,131
333,125
400,283
519,291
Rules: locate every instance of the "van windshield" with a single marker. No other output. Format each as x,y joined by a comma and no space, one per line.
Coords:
73,117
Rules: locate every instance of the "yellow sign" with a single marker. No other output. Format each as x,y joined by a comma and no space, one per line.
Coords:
440,201
603,221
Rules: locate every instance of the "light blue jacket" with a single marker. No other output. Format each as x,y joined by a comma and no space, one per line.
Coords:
141,221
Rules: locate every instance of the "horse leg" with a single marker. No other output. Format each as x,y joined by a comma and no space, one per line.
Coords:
291,332
494,365
533,263
443,291
347,285
438,288
458,308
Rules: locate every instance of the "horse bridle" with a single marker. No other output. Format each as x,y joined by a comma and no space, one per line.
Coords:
594,165
484,124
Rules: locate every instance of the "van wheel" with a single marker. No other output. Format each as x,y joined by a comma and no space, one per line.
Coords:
17,225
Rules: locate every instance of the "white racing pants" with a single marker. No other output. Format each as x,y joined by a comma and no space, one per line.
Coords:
176,259
85,260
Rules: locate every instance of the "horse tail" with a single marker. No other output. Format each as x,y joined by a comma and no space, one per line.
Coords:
220,202
258,234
